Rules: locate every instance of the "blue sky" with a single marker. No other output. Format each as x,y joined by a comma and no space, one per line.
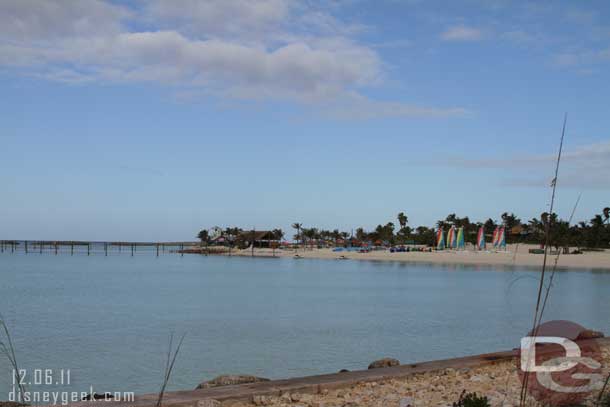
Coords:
150,120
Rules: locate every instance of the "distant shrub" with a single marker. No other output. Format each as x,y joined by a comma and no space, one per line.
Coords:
471,400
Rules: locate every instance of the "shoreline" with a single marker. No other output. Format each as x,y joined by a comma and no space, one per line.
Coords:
430,383
513,257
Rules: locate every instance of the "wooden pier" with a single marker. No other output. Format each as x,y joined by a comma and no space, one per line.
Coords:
90,248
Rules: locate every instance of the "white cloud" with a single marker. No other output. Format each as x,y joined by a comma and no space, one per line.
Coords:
355,106
243,19
585,166
35,20
581,57
462,33
238,49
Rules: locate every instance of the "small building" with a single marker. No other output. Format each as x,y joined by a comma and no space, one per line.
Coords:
260,238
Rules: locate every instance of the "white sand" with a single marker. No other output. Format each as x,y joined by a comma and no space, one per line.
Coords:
513,256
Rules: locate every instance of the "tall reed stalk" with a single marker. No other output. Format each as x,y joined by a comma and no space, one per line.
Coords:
8,350
169,365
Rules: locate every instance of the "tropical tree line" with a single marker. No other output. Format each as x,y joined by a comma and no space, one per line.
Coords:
594,233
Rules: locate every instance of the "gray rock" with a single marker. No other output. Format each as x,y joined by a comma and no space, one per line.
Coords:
385,362
228,380
208,403
406,402
589,334
259,400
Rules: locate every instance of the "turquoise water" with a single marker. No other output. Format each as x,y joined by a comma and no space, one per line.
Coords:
108,319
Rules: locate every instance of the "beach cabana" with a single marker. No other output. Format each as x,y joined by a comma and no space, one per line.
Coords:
260,238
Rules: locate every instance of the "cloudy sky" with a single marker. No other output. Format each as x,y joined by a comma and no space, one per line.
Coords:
152,119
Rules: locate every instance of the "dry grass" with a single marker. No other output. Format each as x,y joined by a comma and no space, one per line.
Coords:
169,365
8,350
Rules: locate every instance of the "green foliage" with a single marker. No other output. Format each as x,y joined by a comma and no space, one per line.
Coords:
402,219
592,234
278,234
203,235
471,400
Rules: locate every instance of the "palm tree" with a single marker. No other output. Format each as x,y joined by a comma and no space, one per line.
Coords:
298,227
278,234
451,219
203,235
361,235
489,226
402,219
231,235
311,234
441,224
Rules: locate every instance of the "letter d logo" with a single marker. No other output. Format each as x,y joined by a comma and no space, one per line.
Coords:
528,354
559,367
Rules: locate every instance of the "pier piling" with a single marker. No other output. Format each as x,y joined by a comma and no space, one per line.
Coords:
54,246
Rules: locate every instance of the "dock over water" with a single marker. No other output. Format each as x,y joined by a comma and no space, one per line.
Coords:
89,248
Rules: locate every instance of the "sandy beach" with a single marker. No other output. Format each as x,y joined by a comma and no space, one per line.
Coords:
515,255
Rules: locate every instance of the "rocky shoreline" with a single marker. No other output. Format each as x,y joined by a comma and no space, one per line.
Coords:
385,384
498,381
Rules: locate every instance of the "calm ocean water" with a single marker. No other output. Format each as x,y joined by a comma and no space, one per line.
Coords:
108,319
